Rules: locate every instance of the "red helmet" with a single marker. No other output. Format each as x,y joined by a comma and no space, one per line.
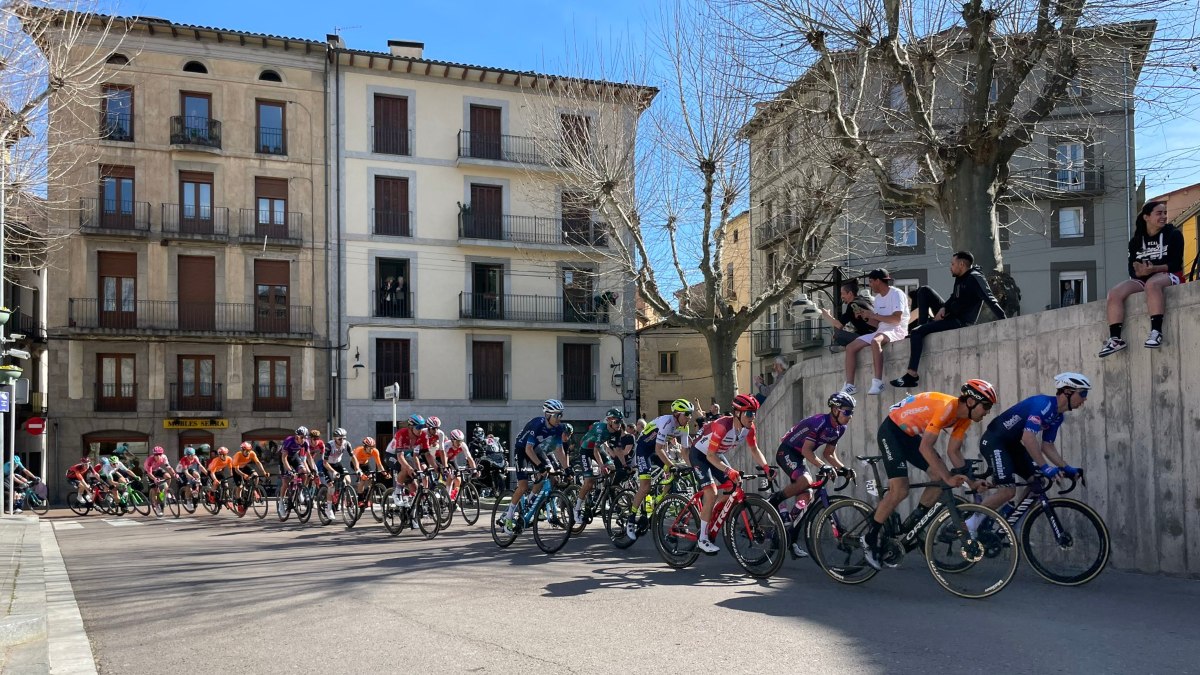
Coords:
368,442
980,390
246,446
745,403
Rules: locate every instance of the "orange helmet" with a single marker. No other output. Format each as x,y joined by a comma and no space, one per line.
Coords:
980,390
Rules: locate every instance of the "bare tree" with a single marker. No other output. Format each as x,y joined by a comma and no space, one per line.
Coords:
937,100
667,187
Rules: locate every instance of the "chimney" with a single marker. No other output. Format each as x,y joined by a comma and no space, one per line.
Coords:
335,41
406,49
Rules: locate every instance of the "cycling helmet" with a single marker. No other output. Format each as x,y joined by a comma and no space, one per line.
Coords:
980,390
222,451
339,433
433,422
682,405
552,405
745,403
301,431
105,460
158,450
567,428
204,449
457,435
368,442
842,400
614,414
246,446
189,451
416,420
1072,380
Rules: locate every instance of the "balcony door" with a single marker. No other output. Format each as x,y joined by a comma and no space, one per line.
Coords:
577,220
485,132
116,388
195,202
272,384
487,291
391,206
487,371
271,214
271,286
116,197
392,299
391,125
487,212
197,289
577,295
197,112
117,287
577,372
196,386
394,366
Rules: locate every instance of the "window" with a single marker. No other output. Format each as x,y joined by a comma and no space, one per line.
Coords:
393,299
1004,233
907,286
194,67
116,384
1072,288
117,287
116,115
484,217
730,290
1069,163
772,267
270,213
116,197
391,133
894,96
195,122
195,202
735,235
576,134
488,374
197,292
904,232
271,128
485,134
391,207
196,389
272,384
271,285
117,59
577,226
903,170
486,300
1070,222
666,363
270,76
394,367
579,382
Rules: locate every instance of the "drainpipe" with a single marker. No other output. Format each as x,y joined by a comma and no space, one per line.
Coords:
337,213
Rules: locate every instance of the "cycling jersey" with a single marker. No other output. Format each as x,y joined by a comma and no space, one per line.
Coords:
820,429
720,437
338,451
219,464
79,471
240,459
188,463
538,433
405,440
317,449
8,466
662,428
929,412
454,450
363,456
1038,414
107,470
597,434
294,448
155,462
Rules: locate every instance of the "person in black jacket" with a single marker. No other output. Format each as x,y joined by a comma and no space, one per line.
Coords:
1155,262
848,326
971,291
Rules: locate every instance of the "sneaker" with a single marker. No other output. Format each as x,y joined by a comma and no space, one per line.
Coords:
850,389
876,388
1155,340
707,547
508,525
906,381
871,553
631,529
329,512
798,551
1111,346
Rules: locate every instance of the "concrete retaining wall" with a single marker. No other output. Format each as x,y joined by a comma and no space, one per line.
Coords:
1138,437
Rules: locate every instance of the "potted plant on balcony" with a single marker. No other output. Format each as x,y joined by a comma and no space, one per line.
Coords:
10,374
5,313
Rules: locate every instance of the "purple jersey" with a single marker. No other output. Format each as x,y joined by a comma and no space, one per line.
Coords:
820,429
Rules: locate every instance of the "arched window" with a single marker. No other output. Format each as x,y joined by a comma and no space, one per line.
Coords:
100,443
270,76
117,59
195,438
194,67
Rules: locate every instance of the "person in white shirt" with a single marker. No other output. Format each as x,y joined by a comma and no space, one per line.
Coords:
890,318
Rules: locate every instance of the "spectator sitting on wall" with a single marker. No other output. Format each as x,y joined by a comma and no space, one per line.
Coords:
890,317
848,326
971,291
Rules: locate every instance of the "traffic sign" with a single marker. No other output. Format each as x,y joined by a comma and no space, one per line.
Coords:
4,407
389,391
35,426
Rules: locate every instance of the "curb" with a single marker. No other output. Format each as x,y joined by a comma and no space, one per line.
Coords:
23,628
70,650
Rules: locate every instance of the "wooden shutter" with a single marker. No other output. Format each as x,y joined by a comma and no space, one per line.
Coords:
485,132
391,112
197,292
113,264
271,188
272,272
487,370
393,356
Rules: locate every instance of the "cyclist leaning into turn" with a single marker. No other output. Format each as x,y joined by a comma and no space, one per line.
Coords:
538,438
246,459
651,451
594,458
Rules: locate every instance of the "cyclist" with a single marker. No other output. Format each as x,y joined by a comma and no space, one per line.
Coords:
534,443
401,456
594,457
157,465
339,457
295,457
316,451
189,470
80,476
909,435
19,481
121,455
246,459
218,464
110,473
800,444
363,456
708,458
455,447
434,440
651,451
1010,444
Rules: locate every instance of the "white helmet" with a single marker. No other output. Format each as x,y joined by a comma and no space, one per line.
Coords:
339,433
1072,380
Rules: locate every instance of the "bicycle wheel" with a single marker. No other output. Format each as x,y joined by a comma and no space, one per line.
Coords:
303,503
139,501
321,505
445,510
36,503
552,526
990,553
394,517
502,536
283,503
618,516
78,506
1077,553
468,502
350,510
835,544
425,511
258,500
757,537
172,501
375,501
675,527
804,527
188,501
157,504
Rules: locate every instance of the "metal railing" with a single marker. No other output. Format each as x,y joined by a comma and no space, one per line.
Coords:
116,126
270,140
579,386
196,396
487,386
202,131
392,305
111,397
392,223
197,221
24,324
808,337
273,398
114,215
532,229
180,317
392,140
767,341
530,308
258,224
500,147
775,227
382,380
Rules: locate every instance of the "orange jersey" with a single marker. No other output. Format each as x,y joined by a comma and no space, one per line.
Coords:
219,463
932,412
361,454
240,459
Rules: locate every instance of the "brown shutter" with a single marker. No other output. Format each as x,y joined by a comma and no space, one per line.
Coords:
108,171
577,359
271,188
392,356
272,272
391,112
113,264
391,194
485,120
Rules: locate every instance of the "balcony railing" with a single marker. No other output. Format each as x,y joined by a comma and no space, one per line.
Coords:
201,222
808,337
579,387
110,397
204,396
392,223
24,324
532,229
487,386
530,308
257,225
392,140
774,228
393,305
386,379
500,147
202,131
1056,183
273,398
270,140
185,317
116,126
766,342
114,215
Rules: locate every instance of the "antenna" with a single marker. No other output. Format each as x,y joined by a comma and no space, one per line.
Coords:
337,30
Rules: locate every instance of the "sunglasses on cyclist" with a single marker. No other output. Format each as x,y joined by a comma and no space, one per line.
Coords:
847,413
749,413
1082,393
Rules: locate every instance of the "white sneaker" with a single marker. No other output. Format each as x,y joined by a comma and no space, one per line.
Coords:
397,500
876,388
1155,340
707,546
798,550
631,529
850,389
329,513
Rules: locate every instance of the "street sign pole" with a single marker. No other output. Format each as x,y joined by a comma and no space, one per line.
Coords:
12,434
395,400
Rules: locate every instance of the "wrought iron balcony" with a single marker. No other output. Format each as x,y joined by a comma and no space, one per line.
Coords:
530,308
1058,184
270,140
282,229
533,229
500,148
774,228
199,131
111,397
487,386
767,342
114,216
392,305
385,379
808,337
169,316
579,386
198,396
273,398
392,223
392,140
195,222
116,126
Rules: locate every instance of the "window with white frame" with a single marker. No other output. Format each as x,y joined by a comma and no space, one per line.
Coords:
1070,222
1072,288
906,286
904,232
1069,162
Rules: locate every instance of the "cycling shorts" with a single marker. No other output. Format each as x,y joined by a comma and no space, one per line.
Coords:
790,461
1006,459
525,466
588,466
706,473
160,473
899,450
646,463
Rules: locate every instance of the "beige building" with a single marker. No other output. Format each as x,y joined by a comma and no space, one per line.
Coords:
189,304
464,273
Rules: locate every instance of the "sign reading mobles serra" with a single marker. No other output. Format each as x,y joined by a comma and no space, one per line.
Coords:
196,423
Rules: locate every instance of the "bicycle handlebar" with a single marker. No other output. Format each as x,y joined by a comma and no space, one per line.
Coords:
1075,480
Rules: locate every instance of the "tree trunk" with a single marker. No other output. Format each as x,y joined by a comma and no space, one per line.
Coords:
967,202
722,353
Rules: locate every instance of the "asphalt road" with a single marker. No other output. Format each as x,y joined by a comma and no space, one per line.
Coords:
215,594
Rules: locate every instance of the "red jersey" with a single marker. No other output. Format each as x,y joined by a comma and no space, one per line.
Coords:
80,471
406,439
719,436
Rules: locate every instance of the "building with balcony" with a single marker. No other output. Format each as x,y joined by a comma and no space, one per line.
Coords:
465,276
189,300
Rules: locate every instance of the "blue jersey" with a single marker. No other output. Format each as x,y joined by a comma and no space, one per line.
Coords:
8,466
1038,414
538,433
819,429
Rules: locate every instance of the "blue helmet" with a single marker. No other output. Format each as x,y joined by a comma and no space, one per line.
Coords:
416,420
189,451
552,405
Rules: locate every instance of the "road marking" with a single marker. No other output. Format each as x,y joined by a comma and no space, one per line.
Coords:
120,522
67,642
68,525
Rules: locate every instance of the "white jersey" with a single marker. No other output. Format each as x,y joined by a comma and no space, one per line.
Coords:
663,428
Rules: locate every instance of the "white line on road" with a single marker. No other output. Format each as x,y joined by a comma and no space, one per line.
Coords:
120,522
70,651
68,525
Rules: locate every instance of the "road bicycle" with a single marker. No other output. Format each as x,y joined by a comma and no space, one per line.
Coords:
293,497
680,480
547,511
968,563
465,500
372,498
216,494
101,499
598,504
801,516
753,529
163,499
30,497
406,509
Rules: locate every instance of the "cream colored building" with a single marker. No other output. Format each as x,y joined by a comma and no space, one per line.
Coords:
462,273
189,304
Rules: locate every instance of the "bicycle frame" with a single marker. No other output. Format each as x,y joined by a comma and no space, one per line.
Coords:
530,508
734,495
1037,490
